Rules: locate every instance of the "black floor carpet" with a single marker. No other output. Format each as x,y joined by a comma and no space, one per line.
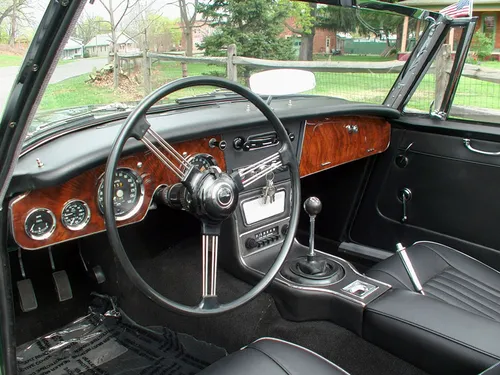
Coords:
176,273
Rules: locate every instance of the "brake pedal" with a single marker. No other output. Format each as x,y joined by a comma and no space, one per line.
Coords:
63,286
27,296
61,281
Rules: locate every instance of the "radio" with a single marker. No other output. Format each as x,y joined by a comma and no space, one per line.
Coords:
266,237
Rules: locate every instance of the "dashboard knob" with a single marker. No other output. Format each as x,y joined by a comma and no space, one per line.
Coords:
251,243
238,143
284,229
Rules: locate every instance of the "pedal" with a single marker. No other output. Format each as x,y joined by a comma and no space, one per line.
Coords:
27,297
98,274
63,286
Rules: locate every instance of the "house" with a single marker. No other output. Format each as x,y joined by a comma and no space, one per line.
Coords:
487,11
73,49
101,45
201,29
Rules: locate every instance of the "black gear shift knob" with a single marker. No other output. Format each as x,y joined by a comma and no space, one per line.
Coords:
312,206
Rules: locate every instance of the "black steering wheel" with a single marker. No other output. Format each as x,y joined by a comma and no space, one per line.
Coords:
213,194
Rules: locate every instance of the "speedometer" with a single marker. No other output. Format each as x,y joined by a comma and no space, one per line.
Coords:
128,193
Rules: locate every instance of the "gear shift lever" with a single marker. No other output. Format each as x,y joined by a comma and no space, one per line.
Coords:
312,206
313,269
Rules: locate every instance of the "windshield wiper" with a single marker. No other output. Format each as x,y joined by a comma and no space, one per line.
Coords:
214,96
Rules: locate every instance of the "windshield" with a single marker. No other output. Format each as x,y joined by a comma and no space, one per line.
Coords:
120,51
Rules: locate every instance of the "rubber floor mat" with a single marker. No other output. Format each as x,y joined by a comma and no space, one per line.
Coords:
109,343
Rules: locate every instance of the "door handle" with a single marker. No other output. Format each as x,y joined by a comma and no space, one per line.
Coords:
404,196
470,148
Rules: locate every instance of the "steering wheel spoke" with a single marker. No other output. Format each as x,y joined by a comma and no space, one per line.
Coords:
176,163
210,250
260,169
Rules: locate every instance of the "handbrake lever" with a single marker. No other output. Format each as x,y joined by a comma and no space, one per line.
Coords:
405,259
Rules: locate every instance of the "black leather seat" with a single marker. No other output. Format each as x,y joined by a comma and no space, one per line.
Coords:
454,327
268,356
448,275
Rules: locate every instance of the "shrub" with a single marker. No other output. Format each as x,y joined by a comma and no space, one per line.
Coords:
86,54
482,45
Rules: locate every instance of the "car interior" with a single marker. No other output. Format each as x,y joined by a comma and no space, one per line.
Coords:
255,235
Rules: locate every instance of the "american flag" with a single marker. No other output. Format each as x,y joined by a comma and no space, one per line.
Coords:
461,9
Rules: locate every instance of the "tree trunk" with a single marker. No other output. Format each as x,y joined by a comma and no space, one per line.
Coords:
306,47
13,24
115,46
188,37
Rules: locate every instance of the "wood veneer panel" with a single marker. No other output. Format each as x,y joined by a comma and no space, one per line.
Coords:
327,142
84,187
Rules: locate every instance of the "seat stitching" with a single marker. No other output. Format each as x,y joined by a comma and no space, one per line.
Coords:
459,342
463,302
471,298
450,301
446,275
271,358
481,285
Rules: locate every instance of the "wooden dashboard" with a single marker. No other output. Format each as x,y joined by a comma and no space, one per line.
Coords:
85,188
327,142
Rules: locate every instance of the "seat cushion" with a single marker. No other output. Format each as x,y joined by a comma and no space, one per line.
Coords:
448,275
270,356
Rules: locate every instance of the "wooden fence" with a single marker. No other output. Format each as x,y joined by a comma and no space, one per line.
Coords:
232,61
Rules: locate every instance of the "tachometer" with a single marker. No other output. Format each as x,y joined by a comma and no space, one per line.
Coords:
203,161
75,214
127,196
40,223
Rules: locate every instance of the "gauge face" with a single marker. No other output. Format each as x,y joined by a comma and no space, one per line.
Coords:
40,224
75,215
127,195
203,161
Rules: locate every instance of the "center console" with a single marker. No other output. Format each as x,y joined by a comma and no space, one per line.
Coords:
312,285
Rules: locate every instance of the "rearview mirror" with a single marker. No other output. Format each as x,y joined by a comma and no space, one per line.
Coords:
282,82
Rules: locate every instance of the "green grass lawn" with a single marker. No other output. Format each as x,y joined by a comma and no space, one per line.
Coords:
363,87
10,60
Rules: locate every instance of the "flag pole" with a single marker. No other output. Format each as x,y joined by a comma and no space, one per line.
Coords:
471,8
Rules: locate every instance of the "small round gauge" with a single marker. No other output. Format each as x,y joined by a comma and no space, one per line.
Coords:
203,161
40,223
128,193
75,214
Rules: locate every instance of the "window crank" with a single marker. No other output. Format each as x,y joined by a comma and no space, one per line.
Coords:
404,196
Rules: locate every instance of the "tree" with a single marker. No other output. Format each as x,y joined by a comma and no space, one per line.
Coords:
188,21
302,21
116,15
88,27
255,26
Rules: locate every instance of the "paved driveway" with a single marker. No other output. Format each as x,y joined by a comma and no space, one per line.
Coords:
62,72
